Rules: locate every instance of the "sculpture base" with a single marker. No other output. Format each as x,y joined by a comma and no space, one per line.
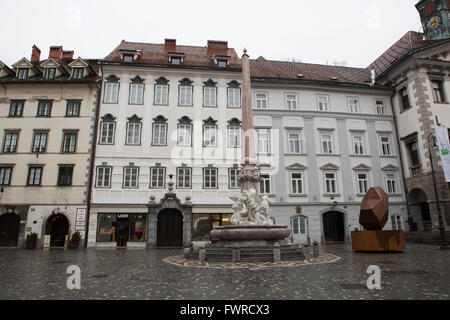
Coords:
257,235
378,241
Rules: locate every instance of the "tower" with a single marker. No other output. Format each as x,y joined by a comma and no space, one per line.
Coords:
435,17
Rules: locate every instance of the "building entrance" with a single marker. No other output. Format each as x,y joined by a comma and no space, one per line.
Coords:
334,226
9,230
170,228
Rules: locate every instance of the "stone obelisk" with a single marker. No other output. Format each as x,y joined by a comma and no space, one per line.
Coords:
250,174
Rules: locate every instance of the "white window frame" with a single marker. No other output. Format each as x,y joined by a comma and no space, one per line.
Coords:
234,136
130,172
327,102
291,104
22,73
157,139
389,144
185,95
5,176
136,93
161,95
160,174
183,179
380,107
264,145
210,135
294,182
100,181
40,141
360,182
104,139
302,226
135,129
329,143
209,96
210,178
353,107
260,102
396,219
233,172
266,183
388,183
358,147
326,180
111,92
184,135
234,97
298,140
11,142
50,73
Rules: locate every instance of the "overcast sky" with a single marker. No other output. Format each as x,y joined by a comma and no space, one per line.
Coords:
312,31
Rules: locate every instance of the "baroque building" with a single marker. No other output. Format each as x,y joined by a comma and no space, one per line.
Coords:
47,115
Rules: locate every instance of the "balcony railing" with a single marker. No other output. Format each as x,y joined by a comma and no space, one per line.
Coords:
416,170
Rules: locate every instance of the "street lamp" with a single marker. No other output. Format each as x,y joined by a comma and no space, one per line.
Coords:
432,140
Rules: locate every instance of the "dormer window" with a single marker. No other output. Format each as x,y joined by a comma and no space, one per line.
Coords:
176,58
176,61
77,73
128,58
22,73
222,63
50,73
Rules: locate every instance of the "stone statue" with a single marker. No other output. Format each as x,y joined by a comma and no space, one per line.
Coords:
251,209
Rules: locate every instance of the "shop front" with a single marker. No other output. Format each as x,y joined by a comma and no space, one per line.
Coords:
204,223
122,229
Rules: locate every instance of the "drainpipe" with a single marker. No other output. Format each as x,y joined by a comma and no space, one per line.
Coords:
400,153
92,164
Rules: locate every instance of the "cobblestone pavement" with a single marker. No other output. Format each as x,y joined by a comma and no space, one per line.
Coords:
422,272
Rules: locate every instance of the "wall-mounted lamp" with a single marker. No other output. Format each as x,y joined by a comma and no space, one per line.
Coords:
1,189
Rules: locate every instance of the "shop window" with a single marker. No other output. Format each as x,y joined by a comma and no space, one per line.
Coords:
138,228
202,224
106,228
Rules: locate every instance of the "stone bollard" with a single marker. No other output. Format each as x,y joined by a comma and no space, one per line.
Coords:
236,255
316,249
187,252
306,250
202,254
276,252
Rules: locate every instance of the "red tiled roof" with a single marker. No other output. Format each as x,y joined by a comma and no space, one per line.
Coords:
408,44
268,69
158,54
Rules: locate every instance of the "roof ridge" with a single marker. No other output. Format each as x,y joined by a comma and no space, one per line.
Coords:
307,63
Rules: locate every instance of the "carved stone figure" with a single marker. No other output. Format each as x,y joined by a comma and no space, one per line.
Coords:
251,209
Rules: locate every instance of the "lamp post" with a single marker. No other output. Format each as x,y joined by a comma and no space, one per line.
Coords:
432,139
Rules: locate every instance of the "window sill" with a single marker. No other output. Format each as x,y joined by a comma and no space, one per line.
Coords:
361,156
387,156
329,154
332,195
395,194
295,154
298,195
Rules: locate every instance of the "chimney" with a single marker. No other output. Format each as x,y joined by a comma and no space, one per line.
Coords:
170,42
67,54
214,44
56,53
35,54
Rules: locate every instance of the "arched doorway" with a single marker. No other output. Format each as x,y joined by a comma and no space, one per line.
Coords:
57,227
333,226
420,210
170,228
9,230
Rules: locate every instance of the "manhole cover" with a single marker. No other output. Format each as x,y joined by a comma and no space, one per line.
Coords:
401,272
352,286
100,276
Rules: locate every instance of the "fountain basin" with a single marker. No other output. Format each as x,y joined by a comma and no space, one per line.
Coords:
249,235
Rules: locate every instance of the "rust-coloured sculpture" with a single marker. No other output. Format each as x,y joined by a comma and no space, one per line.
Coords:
374,210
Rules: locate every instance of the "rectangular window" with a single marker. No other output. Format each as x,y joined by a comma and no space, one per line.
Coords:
323,103
234,97
299,225
386,149
136,93
40,141
50,73
234,136
157,178
404,99
107,129
353,105
65,175
261,100
22,73
176,61
184,178
184,135
297,183
73,108
185,96
379,106
5,176
327,143
438,91
77,73
209,96
128,58
44,108
391,183
209,135
291,101
130,178
222,63
69,142
330,183
263,141
10,143
264,184
233,178
111,92
16,108
210,178
294,141
413,151
358,145
106,227
103,177
397,223
363,183
159,134
34,176
133,133
161,94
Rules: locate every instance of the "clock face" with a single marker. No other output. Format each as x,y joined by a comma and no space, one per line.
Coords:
434,22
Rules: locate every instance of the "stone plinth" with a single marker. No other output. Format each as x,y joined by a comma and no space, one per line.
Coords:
378,241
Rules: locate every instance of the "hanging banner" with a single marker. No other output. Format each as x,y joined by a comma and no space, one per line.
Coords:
444,149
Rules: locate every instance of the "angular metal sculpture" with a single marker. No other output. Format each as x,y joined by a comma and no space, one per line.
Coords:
374,209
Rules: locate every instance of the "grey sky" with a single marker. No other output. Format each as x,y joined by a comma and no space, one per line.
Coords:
355,31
